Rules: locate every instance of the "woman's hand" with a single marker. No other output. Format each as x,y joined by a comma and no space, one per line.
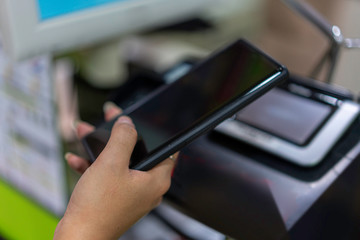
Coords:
109,197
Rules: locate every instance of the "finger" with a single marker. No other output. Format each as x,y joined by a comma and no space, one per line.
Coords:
82,129
161,174
77,163
121,143
111,110
164,169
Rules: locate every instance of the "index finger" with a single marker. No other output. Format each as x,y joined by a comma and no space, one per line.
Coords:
82,129
111,110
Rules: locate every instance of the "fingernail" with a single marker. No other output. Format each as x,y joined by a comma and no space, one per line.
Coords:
75,124
73,164
67,155
125,119
108,105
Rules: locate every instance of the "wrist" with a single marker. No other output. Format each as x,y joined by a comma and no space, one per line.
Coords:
73,227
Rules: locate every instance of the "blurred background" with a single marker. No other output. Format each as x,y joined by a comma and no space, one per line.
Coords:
272,26
78,81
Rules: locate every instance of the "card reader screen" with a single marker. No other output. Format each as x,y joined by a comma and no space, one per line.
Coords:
285,115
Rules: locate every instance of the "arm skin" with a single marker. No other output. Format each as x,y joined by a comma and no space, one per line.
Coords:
109,197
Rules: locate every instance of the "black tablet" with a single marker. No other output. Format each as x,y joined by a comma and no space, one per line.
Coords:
176,114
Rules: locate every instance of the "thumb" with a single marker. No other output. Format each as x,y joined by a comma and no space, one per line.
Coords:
121,143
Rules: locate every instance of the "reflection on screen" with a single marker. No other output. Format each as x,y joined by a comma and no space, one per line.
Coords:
55,8
286,115
198,94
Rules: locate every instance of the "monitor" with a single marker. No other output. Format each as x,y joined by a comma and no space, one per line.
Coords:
34,27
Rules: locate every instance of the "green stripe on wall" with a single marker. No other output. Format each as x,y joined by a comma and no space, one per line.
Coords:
21,218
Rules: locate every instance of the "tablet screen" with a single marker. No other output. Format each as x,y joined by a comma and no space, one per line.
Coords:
197,95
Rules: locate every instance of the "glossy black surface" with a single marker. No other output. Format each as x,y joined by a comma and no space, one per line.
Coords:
211,92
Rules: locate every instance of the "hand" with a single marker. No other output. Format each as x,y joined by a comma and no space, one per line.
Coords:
82,129
109,197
